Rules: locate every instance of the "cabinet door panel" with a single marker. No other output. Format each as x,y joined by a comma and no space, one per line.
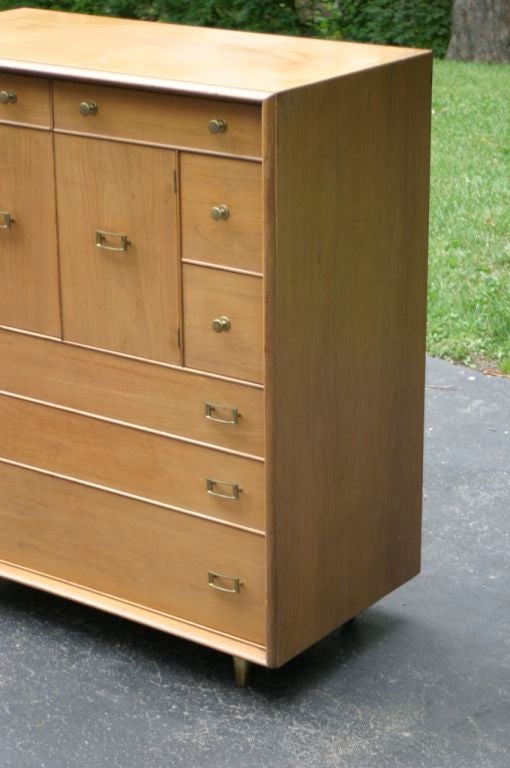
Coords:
122,294
29,295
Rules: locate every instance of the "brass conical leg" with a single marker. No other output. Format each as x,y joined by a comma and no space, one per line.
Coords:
242,670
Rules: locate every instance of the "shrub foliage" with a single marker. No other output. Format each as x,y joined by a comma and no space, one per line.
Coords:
416,23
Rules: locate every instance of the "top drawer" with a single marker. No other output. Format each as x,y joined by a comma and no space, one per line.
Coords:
160,118
24,100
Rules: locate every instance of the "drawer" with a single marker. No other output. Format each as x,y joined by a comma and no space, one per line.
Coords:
140,553
150,466
212,295
28,100
148,395
221,209
159,118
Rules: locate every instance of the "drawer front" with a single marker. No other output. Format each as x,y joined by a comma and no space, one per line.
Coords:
25,100
198,407
221,204
150,466
160,118
212,295
146,555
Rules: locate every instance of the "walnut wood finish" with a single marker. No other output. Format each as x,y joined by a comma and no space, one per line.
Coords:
152,396
29,281
207,182
151,557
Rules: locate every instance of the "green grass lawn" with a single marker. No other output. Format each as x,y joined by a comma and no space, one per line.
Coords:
469,271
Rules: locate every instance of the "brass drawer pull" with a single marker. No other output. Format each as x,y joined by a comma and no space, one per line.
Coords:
7,220
88,108
211,485
211,408
101,237
218,125
236,583
220,212
8,97
220,324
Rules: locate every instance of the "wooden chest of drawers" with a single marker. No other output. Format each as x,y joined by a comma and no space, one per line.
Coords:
212,313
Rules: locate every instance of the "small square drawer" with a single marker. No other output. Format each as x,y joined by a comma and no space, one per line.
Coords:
24,100
221,203
157,118
223,322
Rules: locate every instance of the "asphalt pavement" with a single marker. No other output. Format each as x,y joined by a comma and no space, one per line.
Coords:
419,680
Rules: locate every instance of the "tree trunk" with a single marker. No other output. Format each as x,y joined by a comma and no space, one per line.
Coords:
480,31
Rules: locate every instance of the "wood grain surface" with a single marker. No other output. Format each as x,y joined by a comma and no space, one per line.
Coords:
213,293
212,181
218,62
349,324
32,105
29,275
133,462
152,557
125,301
152,396
156,118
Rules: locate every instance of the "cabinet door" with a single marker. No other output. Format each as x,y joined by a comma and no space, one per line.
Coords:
117,219
29,290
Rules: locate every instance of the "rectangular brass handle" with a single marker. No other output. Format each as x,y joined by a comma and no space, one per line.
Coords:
101,237
236,583
211,408
211,484
7,220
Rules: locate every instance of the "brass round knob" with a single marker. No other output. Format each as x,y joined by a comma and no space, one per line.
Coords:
221,324
220,212
8,97
88,108
218,125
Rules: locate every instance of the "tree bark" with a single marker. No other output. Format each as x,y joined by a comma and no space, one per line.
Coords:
480,31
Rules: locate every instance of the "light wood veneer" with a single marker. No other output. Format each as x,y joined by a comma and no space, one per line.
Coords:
125,418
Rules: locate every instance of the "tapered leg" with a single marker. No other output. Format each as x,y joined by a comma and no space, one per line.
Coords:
242,670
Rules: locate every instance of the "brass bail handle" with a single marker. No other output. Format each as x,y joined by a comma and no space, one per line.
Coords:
103,238
6,219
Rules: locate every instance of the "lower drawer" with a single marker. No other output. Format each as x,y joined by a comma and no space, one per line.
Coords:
136,552
139,463
153,396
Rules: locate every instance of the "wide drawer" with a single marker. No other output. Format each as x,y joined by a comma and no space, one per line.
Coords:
27,100
201,408
159,118
183,475
232,304
140,553
221,209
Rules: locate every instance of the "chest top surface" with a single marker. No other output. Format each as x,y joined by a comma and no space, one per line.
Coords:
240,65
